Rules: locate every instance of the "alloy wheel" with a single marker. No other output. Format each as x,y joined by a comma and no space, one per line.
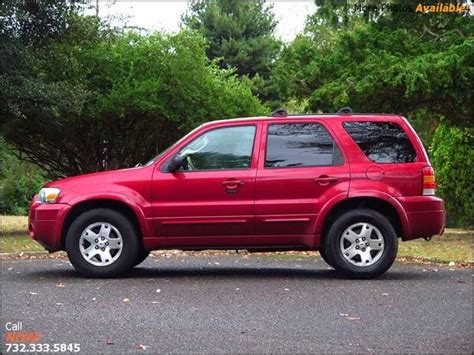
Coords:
100,244
362,244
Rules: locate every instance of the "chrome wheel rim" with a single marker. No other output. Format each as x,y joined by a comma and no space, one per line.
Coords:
362,244
101,244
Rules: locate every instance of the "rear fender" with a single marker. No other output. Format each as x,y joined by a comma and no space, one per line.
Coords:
361,194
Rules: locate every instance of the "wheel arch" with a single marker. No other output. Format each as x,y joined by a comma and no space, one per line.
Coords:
133,212
385,205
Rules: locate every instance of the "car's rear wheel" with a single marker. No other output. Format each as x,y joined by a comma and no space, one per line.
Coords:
102,243
361,243
142,255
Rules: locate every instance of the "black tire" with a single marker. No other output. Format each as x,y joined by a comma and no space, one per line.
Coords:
334,254
324,257
130,246
142,255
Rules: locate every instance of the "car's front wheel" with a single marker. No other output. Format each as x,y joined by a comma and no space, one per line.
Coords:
324,256
361,243
102,243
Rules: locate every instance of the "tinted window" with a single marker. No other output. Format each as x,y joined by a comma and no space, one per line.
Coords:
223,148
300,144
382,142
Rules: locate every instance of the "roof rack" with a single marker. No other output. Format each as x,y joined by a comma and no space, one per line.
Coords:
280,112
344,110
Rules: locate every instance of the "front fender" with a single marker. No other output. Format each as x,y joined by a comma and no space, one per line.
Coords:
137,206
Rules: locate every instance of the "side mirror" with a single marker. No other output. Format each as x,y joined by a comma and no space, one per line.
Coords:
176,163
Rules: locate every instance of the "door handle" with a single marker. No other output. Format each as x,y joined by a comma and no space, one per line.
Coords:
232,184
325,180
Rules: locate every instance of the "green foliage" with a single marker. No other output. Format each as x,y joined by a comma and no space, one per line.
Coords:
26,27
452,153
239,35
102,98
416,65
419,67
79,96
19,181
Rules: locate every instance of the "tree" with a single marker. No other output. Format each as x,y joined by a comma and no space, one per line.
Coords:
25,27
414,64
33,21
102,98
420,67
239,35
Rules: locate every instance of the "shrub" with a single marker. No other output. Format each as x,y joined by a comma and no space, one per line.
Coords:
453,159
19,181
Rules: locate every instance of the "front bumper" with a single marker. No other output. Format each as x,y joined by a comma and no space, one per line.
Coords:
426,216
45,223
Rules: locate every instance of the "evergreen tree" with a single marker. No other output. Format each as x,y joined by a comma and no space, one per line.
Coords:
240,36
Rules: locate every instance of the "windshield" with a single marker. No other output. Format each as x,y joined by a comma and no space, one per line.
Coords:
156,158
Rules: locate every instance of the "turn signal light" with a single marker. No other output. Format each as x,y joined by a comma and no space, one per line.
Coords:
429,181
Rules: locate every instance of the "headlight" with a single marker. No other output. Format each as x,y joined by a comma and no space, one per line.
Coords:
48,195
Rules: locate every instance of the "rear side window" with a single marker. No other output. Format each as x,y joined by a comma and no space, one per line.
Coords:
382,142
300,144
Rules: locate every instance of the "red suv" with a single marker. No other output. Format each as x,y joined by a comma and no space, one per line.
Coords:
346,184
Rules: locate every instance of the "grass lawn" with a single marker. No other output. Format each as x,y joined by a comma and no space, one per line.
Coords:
455,245
13,224
18,244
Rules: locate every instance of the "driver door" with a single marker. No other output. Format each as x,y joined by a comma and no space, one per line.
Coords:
212,194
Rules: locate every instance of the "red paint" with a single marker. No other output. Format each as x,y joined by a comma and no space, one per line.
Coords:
250,208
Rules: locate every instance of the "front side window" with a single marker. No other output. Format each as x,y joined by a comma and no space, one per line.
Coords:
222,148
300,144
382,142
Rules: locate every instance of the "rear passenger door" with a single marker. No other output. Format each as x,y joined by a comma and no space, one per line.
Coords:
301,167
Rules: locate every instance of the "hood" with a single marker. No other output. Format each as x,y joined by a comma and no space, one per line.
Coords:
124,181
99,177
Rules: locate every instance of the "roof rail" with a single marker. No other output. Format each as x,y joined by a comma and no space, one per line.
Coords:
280,112
344,110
